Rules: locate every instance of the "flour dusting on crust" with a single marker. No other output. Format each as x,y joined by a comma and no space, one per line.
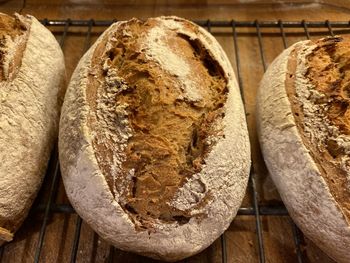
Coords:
317,126
112,122
157,49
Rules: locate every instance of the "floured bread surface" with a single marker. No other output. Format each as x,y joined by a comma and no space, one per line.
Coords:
154,148
321,108
32,79
155,102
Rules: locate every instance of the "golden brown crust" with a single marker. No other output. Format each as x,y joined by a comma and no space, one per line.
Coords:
5,235
328,73
13,29
170,125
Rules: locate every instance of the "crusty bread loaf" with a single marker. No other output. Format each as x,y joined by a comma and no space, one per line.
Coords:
304,128
31,85
153,142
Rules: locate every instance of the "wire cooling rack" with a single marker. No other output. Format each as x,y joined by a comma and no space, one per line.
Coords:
48,206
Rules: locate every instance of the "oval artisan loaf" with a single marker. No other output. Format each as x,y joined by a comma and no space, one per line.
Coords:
32,79
153,141
304,128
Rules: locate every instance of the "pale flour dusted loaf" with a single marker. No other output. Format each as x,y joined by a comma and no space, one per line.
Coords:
32,76
153,141
304,127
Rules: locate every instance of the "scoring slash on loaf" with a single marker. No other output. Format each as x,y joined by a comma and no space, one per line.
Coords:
304,127
32,80
153,142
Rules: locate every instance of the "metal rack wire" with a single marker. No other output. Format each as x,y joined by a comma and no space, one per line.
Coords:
256,210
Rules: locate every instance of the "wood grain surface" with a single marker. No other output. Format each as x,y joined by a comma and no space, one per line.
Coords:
241,238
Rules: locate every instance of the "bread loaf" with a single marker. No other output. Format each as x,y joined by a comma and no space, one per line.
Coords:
304,126
31,85
153,141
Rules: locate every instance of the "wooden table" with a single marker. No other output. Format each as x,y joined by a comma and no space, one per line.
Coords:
241,238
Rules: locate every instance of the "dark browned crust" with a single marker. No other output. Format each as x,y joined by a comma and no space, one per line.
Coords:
328,72
163,153
11,27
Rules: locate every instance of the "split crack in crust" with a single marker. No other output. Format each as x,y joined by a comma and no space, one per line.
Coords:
153,119
13,36
322,112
